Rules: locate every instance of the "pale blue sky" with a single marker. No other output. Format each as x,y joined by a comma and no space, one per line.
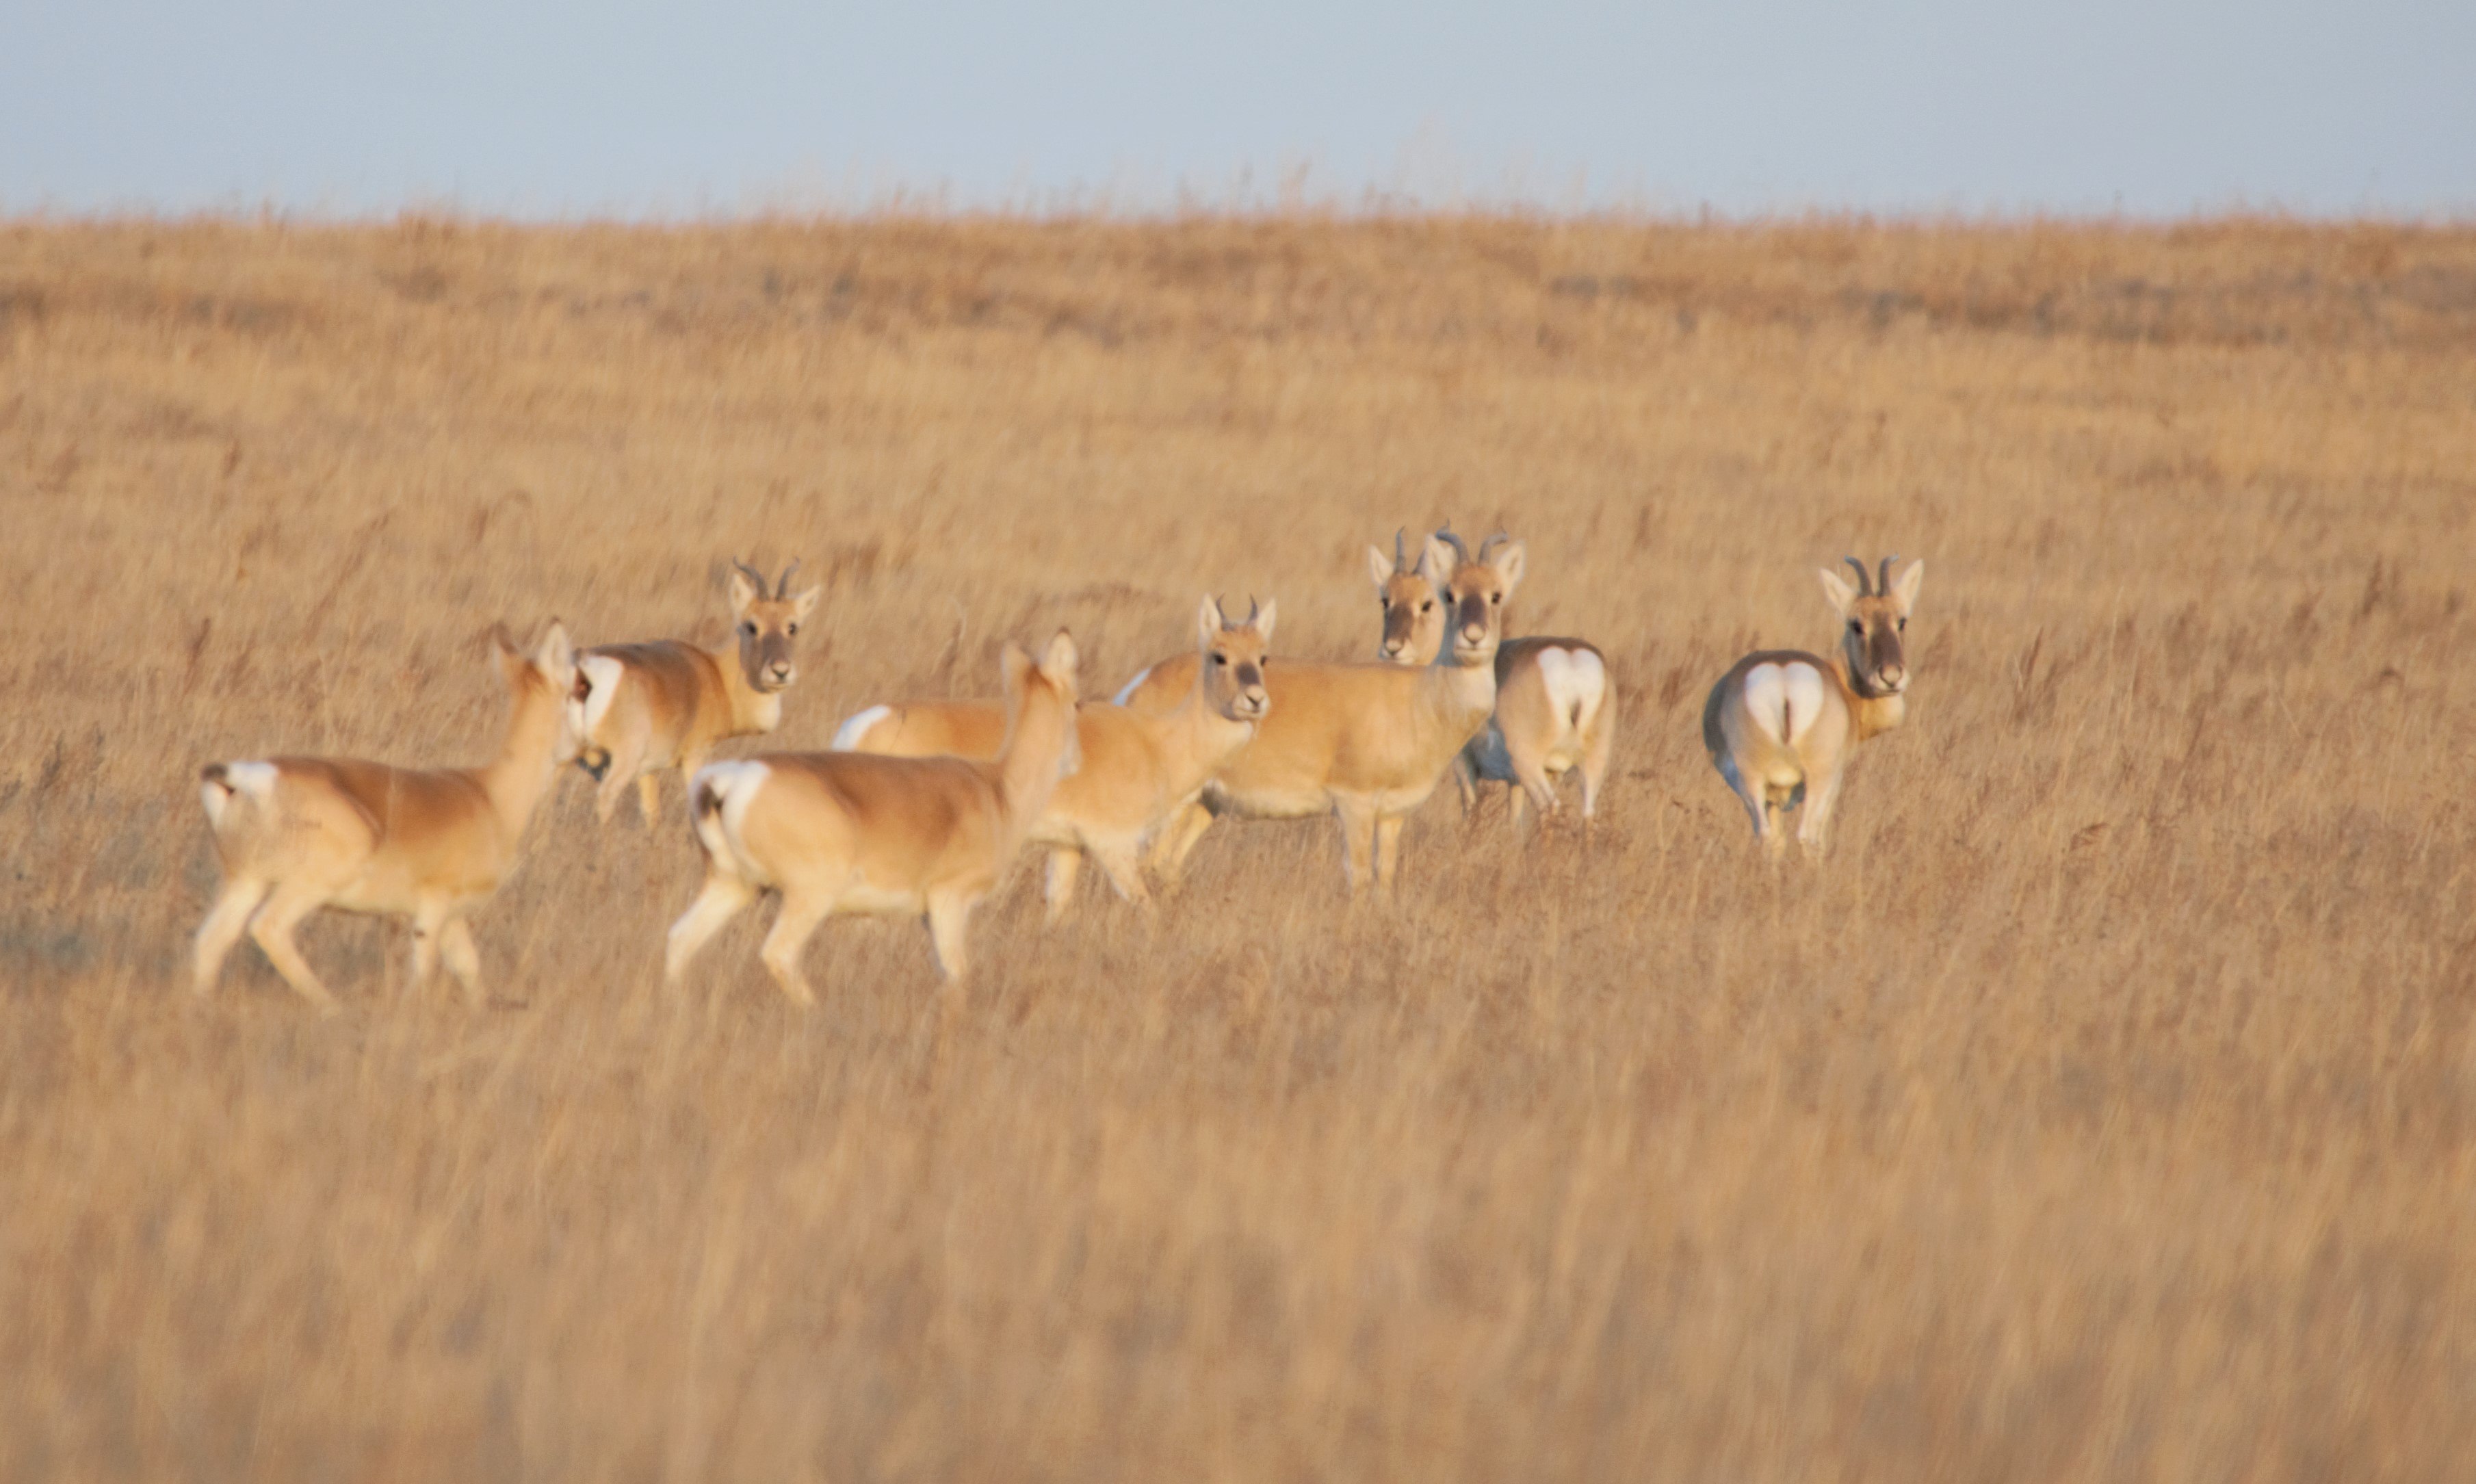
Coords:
637,109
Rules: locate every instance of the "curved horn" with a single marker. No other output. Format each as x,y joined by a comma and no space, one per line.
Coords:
1444,533
1865,579
1252,608
1492,543
782,589
751,574
1883,583
1400,561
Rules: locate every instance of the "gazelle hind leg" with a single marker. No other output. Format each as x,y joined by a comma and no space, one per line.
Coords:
1387,850
1357,821
226,921
801,912
1118,862
463,960
1814,820
649,797
271,929
717,904
1178,838
949,921
1057,889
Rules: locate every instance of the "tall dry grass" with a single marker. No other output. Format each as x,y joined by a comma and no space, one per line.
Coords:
2104,1108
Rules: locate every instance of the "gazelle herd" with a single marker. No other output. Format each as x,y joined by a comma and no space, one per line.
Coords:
920,808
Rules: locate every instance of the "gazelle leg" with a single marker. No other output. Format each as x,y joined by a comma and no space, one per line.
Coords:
1387,850
649,797
463,960
950,920
1357,840
1596,745
271,929
1814,820
1118,861
426,920
718,903
801,912
226,921
1065,868
1178,838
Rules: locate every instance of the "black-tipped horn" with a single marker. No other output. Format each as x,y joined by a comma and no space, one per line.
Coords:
1882,583
1865,580
782,589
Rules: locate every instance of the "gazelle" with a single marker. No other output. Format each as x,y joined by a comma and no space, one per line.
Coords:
1368,743
295,834
1555,713
1139,768
853,832
640,708
1413,631
1781,723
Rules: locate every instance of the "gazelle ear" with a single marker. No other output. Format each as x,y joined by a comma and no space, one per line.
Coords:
1264,621
555,656
1057,661
743,592
1508,561
1906,588
807,602
1208,620
1835,588
1379,566
1436,563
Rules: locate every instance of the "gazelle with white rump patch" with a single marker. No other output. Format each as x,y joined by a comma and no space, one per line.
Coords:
1138,769
1368,743
855,832
295,834
1555,713
640,708
1781,723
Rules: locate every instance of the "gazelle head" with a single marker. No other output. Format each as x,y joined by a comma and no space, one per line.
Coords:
1040,695
1234,656
768,626
1414,614
550,669
1474,590
1876,614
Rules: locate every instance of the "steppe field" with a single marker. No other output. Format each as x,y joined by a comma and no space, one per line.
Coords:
2103,1107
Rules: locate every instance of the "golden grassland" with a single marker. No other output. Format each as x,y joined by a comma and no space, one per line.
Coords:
2104,1107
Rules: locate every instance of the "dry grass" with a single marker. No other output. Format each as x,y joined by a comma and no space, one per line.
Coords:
2105,1108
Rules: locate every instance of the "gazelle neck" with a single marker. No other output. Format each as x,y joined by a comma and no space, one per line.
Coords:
1873,714
1196,728
1027,770
517,779
1464,687
750,709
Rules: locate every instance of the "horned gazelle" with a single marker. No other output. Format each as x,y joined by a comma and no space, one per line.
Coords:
1368,743
1555,713
1413,630
853,832
295,834
1781,723
1139,768
640,708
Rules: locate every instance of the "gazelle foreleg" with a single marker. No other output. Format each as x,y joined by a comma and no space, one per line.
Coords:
226,921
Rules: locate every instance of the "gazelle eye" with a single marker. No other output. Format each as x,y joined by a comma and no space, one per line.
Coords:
1494,597
1426,604
1904,626
1220,660
749,628
790,629
1856,626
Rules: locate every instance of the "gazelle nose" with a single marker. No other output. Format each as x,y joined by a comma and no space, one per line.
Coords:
1894,675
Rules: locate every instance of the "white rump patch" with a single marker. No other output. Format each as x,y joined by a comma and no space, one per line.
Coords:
253,779
604,673
850,733
1576,681
1127,693
1785,701
736,783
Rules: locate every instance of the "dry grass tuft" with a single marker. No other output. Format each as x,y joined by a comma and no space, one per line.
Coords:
2106,1109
